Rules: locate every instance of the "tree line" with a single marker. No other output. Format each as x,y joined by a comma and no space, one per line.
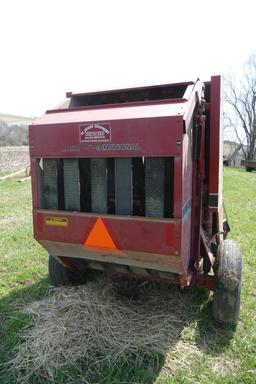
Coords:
13,134
240,107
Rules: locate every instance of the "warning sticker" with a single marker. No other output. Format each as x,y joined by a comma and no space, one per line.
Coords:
56,221
95,132
100,237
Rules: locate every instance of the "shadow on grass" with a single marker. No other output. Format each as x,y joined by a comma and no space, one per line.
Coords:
208,338
12,320
212,338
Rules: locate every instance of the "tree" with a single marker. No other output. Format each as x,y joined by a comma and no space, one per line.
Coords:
241,116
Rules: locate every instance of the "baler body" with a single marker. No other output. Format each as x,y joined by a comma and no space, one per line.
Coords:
130,181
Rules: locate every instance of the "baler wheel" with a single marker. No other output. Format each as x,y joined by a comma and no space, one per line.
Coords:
60,275
226,299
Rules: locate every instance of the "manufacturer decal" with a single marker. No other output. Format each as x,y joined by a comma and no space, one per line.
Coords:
95,132
70,148
119,147
57,221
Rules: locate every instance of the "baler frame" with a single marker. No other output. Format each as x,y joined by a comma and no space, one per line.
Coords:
130,181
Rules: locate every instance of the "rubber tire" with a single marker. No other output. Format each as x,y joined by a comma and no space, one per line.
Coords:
60,275
226,299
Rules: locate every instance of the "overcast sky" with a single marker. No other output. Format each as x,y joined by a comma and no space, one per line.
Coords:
49,47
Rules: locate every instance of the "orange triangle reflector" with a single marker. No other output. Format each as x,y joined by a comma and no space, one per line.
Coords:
100,237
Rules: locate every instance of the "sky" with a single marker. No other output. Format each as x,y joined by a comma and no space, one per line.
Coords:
49,47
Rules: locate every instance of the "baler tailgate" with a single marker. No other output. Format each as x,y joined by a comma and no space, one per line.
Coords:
150,244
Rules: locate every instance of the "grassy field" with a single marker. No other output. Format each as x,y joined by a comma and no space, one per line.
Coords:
226,356
10,119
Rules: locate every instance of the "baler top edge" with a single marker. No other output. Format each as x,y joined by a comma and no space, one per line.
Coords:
109,114
135,88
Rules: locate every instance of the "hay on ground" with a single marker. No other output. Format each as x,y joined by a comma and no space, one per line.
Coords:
104,321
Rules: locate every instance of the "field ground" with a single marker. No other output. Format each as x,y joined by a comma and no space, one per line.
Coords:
23,272
13,158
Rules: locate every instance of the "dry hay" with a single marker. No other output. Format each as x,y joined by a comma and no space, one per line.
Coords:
220,366
105,321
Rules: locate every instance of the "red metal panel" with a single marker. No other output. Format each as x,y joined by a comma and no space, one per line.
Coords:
187,166
139,137
215,174
64,107
135,88
35,183
135,234
186,240
115,113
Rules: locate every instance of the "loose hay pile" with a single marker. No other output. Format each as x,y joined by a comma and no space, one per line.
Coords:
104,321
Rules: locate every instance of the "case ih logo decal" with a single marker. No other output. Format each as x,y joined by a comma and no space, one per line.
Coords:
95,132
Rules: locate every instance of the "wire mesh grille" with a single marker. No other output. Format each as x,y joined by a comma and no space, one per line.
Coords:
123,186
154,187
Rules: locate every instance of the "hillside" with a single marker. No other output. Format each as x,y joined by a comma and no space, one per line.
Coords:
14,119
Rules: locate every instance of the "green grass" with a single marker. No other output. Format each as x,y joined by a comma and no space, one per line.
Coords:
226,355
3,173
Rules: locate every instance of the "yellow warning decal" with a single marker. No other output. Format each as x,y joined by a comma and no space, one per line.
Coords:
57,221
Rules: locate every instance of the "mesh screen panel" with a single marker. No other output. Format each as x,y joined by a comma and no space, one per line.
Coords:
123,186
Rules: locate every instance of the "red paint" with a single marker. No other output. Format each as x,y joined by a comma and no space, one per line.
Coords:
39,222
215,137
133,137
206,281
169,235
133,234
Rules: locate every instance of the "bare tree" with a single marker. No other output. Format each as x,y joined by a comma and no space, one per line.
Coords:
241,97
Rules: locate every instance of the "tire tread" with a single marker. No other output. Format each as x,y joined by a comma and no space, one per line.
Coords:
226,300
